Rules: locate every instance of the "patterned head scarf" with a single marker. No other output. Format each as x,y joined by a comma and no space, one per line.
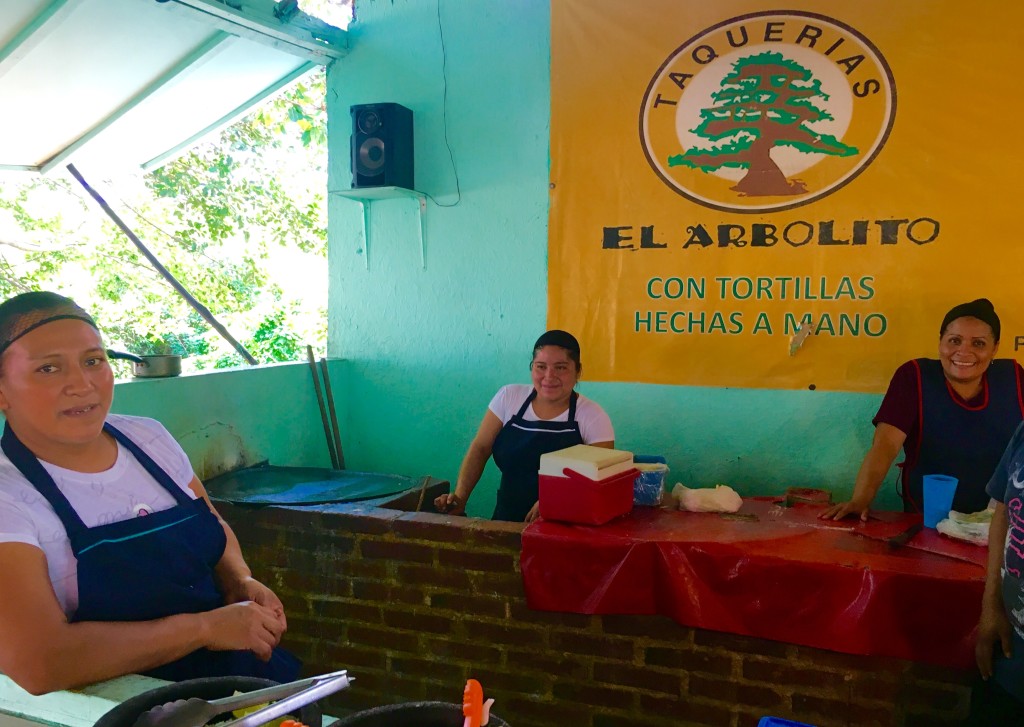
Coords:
28,311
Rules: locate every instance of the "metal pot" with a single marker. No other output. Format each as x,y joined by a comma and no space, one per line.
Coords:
157,366
150,366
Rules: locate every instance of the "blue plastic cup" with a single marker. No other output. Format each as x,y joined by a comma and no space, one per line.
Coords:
938,498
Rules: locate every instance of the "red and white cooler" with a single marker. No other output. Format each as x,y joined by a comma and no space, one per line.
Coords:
586,485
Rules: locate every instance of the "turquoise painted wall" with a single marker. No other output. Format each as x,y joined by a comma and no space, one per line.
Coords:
425,348
237,417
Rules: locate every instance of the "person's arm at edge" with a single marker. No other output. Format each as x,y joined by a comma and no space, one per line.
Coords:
472,467
884,449
42,652
233,575
994,625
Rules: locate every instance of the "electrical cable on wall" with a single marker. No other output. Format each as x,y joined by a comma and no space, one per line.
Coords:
444,113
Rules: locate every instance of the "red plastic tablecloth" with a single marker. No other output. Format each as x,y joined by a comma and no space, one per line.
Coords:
769,572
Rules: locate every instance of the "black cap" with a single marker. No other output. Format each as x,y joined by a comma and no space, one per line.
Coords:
981,309
558,338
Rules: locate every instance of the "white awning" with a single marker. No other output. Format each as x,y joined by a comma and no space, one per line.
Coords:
123,83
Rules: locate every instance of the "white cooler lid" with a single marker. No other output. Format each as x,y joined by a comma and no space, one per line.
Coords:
587,460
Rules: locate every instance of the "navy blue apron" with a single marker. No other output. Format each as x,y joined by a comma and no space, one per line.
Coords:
946,424
151,566
517,450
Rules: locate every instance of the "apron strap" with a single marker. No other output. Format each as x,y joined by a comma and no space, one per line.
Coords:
29,466
529,400
533,395
155,471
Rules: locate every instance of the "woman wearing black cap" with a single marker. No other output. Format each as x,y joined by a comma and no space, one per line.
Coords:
525,421
112,558
952,416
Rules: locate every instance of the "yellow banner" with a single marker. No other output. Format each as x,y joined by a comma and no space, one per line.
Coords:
749,196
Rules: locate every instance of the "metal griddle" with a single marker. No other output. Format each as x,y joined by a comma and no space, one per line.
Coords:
274,485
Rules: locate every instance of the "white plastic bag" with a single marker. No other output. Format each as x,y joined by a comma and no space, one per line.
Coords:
720,498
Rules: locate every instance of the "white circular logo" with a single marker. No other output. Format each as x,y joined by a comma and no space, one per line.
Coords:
767,111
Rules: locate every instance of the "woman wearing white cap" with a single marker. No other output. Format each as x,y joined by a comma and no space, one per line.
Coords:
525,421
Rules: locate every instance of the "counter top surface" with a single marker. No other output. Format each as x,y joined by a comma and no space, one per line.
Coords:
770,572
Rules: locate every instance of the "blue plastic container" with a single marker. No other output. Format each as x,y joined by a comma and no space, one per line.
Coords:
779,722
939,491
649,485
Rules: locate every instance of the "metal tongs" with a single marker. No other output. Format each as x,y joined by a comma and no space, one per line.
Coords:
195,712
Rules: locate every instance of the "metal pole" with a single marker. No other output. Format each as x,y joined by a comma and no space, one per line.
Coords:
323,409
182,291
329,395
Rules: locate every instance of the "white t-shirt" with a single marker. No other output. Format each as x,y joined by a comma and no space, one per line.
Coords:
595,426
121,492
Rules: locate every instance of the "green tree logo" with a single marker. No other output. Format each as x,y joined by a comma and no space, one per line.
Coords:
766,101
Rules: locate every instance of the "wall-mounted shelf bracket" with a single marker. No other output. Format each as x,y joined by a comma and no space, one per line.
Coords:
365,195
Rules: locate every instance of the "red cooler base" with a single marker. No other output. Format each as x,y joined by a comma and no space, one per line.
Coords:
578,499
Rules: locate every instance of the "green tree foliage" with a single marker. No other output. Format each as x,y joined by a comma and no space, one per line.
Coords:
240,220
766,101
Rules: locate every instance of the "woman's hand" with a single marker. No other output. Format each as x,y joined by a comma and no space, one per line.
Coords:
245,626
533,514
843,509
450,503
250,589
472,466
993,627
885,446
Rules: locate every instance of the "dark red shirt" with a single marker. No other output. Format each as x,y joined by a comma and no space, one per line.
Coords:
901,405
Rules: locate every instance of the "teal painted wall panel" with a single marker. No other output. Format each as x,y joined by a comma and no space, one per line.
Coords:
758,441
425,349
237,417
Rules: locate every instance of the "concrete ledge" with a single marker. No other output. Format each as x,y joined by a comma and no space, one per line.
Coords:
77,708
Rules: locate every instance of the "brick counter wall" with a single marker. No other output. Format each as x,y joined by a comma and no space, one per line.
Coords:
413,604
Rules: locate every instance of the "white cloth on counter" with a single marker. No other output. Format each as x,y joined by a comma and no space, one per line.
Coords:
972,527
720,498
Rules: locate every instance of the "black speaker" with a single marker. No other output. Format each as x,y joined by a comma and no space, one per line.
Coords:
382,154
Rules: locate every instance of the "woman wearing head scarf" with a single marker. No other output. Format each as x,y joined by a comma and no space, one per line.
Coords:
953,416
112,558
525,421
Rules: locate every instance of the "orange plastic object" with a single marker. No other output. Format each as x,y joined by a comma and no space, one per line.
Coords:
292,723
473,704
